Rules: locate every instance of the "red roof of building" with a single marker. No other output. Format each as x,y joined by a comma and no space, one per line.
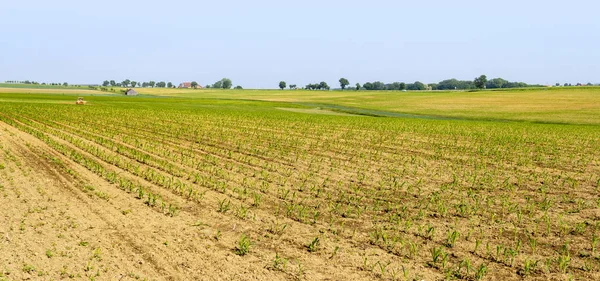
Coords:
187,85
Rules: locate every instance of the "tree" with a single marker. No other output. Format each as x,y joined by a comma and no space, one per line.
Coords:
293,87
125,83
480,81
402,86
145,84
394,86
419,86
557,85
496,83
453,84
218,84
226,83
169,85
282,85
151,84
313,86
344,82
194,84
105,83
161,84
65,84
378,85
113,83
238,87
133,83
357,86
323,85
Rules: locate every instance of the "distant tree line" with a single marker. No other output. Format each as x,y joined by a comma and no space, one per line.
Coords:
224,83
578,84
283,84
480,82
36,83
317,86
128,83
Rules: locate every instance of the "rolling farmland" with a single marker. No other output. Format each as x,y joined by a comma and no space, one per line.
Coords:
259,186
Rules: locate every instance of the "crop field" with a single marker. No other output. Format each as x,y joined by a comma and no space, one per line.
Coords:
566,105
241,185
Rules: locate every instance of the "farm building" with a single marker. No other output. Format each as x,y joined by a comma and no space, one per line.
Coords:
131,92
186,85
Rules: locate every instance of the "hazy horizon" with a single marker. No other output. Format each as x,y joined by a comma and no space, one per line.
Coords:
257,44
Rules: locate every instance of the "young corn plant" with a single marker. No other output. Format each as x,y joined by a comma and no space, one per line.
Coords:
243,246
382,268
279,263
314,245
435,254
529,266
594,243
335,251
452,237
481,271
223,206
563,263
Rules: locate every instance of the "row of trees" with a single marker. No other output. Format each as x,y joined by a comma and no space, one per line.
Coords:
36,83
480,82
451,84
578,84
377,85
283,84
317,86
224,83
128,83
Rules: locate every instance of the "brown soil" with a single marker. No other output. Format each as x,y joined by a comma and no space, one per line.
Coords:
61,221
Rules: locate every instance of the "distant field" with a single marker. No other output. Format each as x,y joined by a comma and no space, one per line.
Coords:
571,105
554,105
66,91
301,185
37,86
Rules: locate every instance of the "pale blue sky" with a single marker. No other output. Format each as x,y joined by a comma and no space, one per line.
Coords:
258,43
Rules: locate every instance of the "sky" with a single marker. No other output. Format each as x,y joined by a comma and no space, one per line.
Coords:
259,43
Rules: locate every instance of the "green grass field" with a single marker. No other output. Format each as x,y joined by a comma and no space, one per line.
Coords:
553,105
361,185
37,86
